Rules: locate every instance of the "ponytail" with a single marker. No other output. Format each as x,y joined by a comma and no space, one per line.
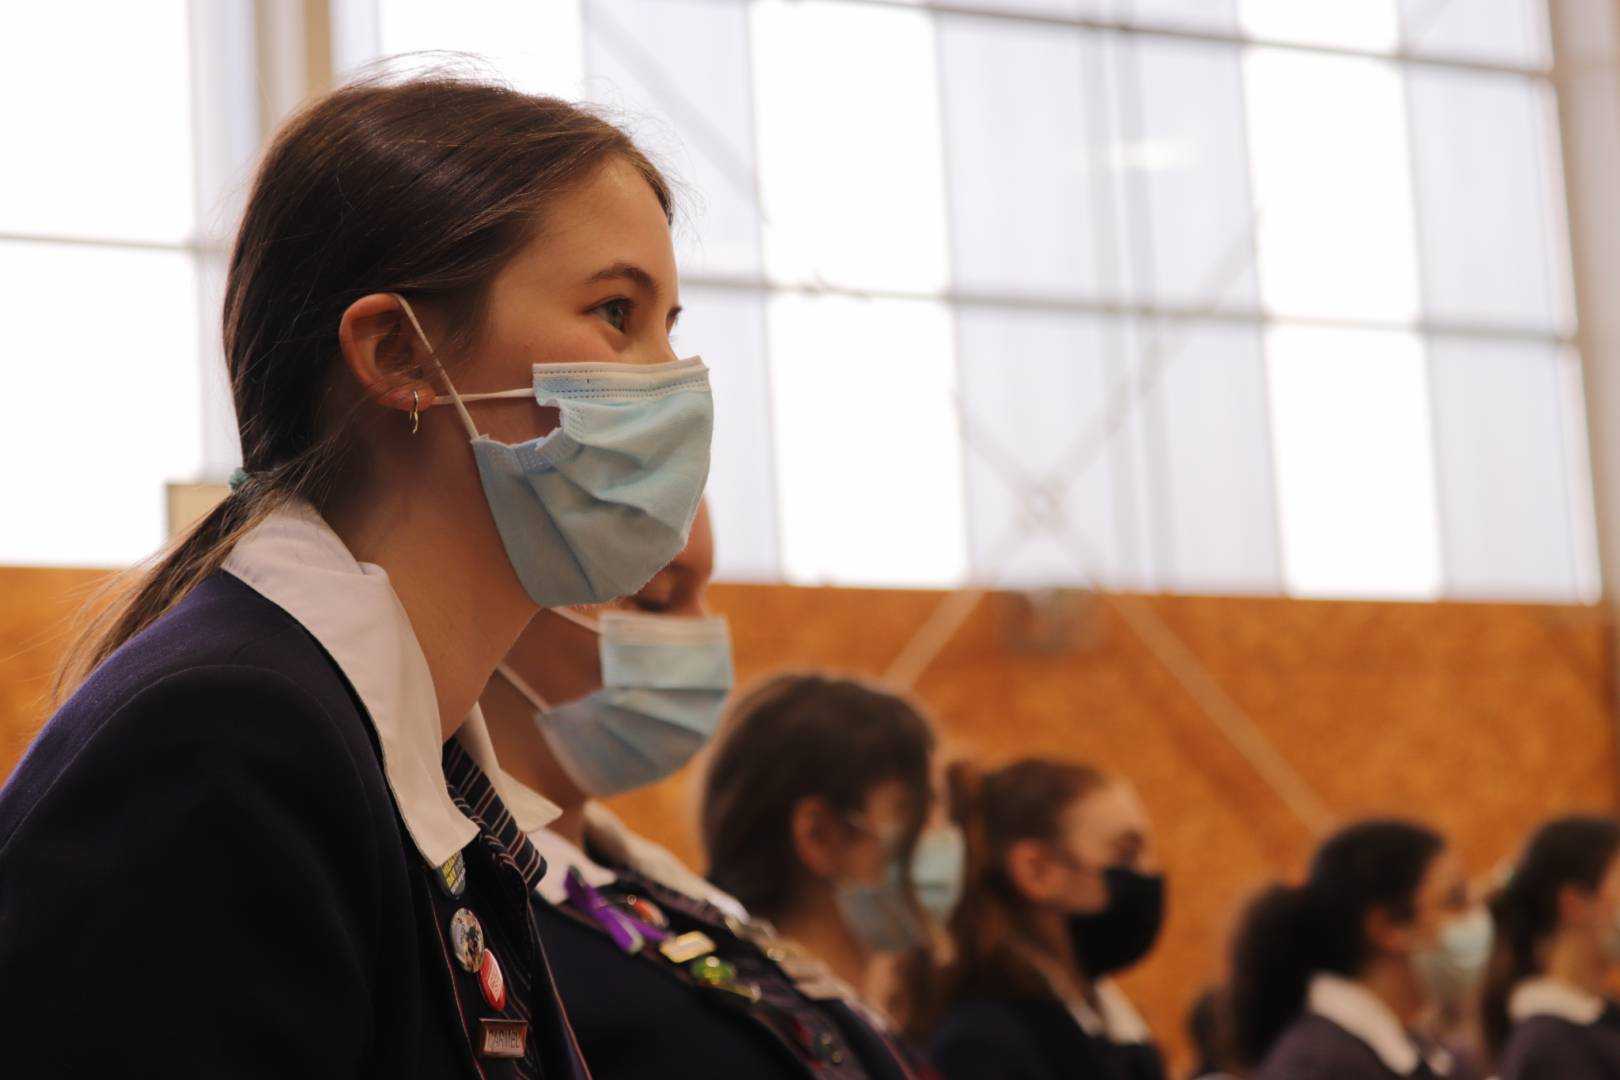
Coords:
133,600
1288,934
138,597
1571,851
1272,963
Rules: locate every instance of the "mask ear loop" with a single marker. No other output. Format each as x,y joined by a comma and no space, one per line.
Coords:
585,621
466,417
521,686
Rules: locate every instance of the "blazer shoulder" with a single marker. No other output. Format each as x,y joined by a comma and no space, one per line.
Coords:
1312,1048
1547,1046
990,1038
224,676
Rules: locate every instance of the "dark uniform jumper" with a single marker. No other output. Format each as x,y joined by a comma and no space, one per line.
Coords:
721,995
1348,1033
214,858
1560,1031
996,1029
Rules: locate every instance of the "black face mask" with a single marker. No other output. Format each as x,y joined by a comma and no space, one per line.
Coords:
1123,932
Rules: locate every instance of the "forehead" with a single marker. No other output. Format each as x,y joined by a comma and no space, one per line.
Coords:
1444,881
613,215
891,800
1106,812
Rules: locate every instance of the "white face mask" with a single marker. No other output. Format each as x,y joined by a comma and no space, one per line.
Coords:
1453,967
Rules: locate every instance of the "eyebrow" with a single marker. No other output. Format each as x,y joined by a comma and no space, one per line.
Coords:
624,271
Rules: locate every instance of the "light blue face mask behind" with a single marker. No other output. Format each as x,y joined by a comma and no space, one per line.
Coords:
664,684
591,511
881,915
1455,965
937,867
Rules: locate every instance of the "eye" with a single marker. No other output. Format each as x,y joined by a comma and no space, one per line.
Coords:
616,312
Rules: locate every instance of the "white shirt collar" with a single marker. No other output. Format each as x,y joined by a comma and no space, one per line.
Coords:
1121,1022
1553,997
613,838
606,832
561,855
295,560
1361,1013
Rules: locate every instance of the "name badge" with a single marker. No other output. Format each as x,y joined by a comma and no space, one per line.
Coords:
502,1038
688,946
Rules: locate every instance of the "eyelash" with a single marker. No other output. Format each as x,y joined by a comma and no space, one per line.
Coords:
628,305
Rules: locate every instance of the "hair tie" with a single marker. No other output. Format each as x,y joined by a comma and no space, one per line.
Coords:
238,478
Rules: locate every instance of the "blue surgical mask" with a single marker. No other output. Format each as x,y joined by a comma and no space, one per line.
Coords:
591,511
664,683
937,866
1454,966
881,915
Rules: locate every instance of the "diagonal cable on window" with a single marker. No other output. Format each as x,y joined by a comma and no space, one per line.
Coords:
1041,508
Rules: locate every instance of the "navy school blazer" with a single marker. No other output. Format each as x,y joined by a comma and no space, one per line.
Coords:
202,873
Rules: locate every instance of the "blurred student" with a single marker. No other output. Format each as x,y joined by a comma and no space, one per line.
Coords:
814,814
1557,942
662,973
1062,890
1330,978
1209,1029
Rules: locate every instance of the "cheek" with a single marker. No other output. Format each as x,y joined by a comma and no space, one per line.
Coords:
1091,895
867,863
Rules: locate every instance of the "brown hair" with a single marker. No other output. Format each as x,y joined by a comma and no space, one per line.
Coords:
790,738
425,186
1570,851
1289,932
1025,800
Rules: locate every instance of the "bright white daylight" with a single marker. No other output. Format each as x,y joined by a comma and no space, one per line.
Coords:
1184,295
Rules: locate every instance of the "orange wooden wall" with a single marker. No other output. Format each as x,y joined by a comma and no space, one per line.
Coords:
1480,718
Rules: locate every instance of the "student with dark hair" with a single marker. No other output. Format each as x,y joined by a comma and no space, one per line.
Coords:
814,809
272,751
1062,889
1329,978
1557,940
1209,1029
662,973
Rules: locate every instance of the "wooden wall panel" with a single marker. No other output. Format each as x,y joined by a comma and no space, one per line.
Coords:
38,608
1481,718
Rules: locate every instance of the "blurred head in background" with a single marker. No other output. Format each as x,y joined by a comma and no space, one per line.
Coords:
814,801
1557,916
1385,905
1061,861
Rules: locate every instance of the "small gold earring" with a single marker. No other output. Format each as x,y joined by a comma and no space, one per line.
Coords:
416,419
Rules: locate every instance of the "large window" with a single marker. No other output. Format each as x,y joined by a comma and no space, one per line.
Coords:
1212,296
1194,295
126,150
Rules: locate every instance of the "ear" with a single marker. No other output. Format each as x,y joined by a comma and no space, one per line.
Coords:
817,836
1033,871
384,354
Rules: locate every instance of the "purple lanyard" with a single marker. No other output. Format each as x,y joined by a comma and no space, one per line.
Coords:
628,931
